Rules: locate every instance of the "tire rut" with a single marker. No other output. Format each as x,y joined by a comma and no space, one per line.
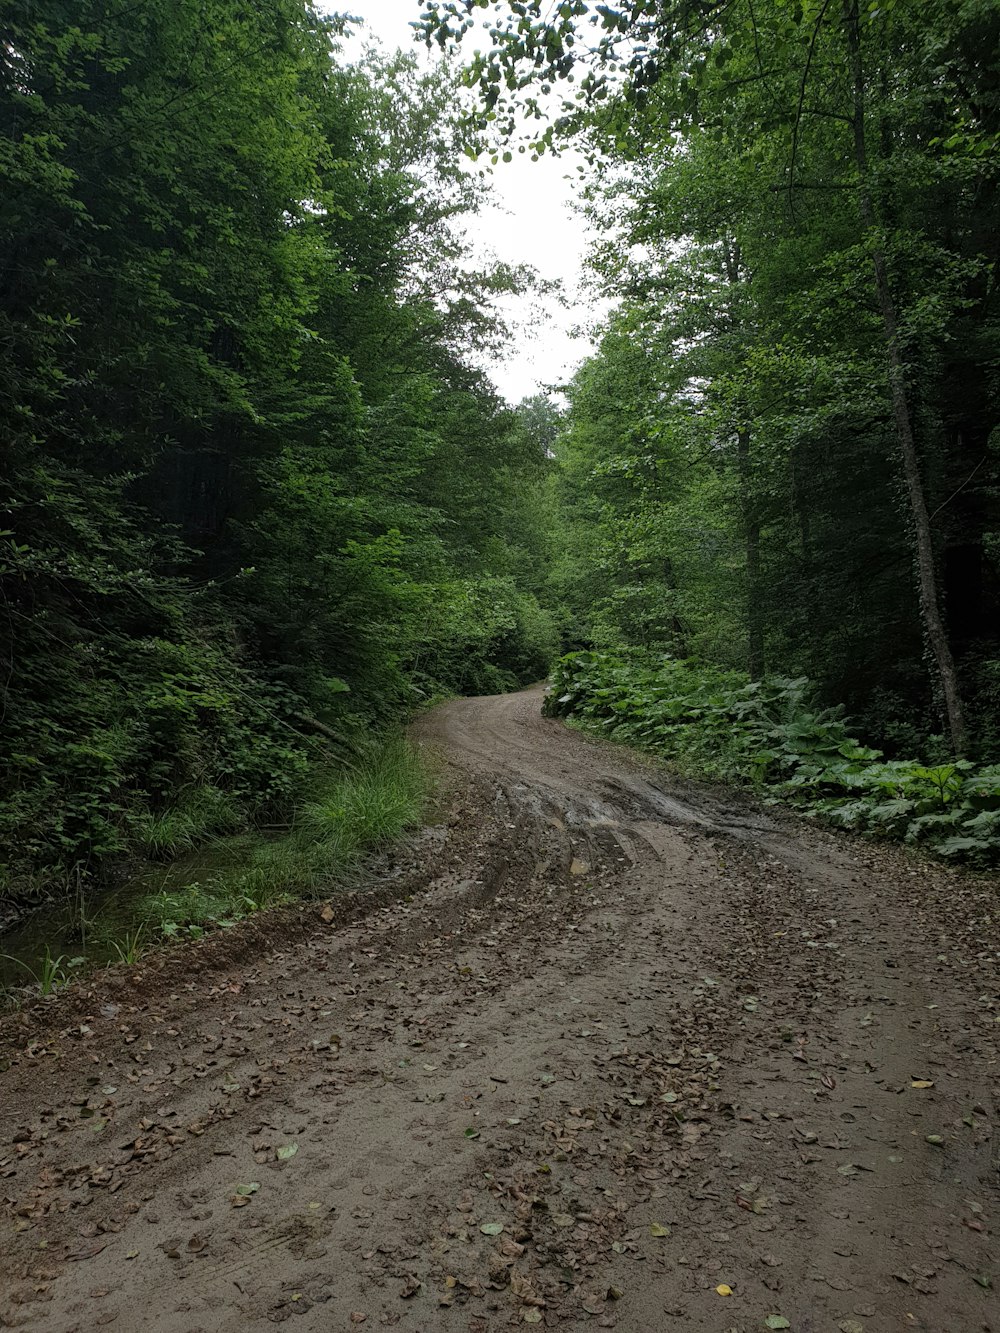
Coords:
600,1050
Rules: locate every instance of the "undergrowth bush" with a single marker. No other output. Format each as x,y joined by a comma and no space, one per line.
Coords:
720,724
152,749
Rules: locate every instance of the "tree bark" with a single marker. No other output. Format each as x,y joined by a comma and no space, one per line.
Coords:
751,538
930,600
751,523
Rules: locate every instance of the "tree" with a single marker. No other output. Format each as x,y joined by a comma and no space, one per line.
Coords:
258,498
860,122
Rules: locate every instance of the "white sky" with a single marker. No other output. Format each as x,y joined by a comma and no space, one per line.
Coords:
533,224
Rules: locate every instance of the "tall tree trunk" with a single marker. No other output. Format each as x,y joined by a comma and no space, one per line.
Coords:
930,601
733,262
751,538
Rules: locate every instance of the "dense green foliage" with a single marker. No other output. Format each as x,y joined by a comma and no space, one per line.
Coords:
720,724
784,455
258,499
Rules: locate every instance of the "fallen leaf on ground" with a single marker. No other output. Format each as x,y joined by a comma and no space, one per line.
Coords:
89,1251
724,1290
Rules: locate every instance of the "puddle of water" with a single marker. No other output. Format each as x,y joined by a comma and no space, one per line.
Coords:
88,929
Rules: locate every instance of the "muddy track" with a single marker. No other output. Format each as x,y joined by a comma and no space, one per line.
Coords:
601,1050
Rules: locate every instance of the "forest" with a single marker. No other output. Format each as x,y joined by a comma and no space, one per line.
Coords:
262,503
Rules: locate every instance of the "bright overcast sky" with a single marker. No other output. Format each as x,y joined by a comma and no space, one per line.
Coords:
533,224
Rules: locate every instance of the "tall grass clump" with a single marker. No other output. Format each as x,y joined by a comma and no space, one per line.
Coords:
200,813
366,808
347,815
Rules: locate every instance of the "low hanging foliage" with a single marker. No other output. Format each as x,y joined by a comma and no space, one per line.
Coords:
719,724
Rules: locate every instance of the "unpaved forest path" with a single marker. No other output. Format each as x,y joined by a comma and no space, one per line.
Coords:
666,1041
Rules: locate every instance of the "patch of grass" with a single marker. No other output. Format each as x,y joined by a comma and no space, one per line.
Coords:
201,813
348,815
367,808
129,948
51,973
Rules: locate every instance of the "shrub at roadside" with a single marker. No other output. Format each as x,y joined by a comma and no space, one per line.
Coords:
719,724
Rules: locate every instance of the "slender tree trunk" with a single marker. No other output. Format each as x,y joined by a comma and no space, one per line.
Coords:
732,260
800,506
751,538
930,600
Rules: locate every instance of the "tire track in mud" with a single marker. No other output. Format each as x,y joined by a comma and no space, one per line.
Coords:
665,1041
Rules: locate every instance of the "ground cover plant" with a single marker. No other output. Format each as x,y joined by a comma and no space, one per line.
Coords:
343,816
714,723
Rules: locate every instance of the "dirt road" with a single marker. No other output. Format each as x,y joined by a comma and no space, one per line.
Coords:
600,1051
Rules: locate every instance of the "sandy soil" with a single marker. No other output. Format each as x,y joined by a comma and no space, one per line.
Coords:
600,1050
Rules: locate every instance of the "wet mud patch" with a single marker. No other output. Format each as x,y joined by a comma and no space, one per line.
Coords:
603,1053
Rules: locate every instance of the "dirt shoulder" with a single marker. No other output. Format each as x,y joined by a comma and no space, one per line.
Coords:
601,1050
